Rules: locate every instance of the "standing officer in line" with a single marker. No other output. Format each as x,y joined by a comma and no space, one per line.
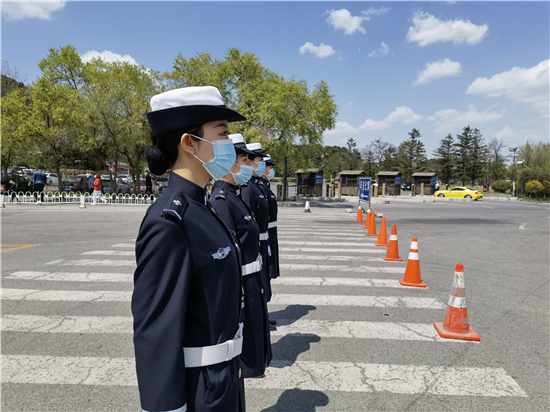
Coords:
227,201
256,201
187,294
272,225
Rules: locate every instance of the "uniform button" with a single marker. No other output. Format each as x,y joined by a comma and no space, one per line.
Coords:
243,291
262,291
240,372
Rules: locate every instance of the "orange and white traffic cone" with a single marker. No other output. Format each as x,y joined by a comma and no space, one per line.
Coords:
359,215
393,248
383,236
456,324
367,219
412,272
372,225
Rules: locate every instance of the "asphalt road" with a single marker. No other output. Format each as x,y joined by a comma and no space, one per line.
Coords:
344,342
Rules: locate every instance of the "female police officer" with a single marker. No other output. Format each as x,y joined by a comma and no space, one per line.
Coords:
227,201
187,286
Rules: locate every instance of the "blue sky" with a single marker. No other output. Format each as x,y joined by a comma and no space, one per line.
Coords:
391,66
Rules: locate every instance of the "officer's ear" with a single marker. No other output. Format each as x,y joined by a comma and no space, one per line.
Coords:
188,144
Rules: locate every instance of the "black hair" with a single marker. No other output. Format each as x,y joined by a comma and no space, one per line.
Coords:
164,152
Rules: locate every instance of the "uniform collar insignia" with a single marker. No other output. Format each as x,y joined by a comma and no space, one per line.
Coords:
238,192
222,253
261,196
247,218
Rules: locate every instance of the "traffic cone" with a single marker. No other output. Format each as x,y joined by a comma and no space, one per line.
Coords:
359,215
307,207
456,324
383,236
372,225
412,272
367,219
393,249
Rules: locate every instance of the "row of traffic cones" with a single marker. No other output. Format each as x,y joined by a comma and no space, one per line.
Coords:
456,324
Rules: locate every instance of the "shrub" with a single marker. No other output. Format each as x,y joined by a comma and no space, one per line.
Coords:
534,187
502,186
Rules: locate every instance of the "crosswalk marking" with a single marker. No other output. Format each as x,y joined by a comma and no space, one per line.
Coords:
110,252
104,262
132,245
277,299
316,281
331,250
309,243
283,374
328,257
72,276
333,268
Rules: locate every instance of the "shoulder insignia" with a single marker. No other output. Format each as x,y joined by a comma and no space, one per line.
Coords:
248,218
222,253
174,207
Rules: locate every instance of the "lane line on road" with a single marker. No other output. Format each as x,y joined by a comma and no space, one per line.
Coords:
332,250
487,207
282,374
110,252
326,257
313,243
132,245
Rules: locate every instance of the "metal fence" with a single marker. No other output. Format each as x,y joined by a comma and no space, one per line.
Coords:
82,199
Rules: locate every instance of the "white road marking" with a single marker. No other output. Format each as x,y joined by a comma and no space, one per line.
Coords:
339,268
316,281
326,257
110,252
132,245
357,236
310,243
66,295
72,276
487,207
283,374
94,262
54,262
522,226
68,324
363,301
331,250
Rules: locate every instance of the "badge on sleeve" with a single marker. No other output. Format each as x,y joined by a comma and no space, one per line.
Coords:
222,253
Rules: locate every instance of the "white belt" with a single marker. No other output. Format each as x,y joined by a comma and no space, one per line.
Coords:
272,225
253,267
211,355
264,236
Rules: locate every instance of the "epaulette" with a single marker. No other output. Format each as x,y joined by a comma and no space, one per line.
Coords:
219,194
175,206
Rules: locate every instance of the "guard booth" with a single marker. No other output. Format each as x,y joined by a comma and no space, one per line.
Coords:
428,179
350,181
393,183
310,182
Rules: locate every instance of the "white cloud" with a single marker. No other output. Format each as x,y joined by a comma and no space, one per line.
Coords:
528,86
384,50
323,50
507,134
374,11
451,120
343,20
341,128
401,114
429,29
350,104
17,10
107,56
437,70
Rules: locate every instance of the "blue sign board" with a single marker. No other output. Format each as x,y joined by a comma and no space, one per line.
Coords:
434,180
364,188
398,180
318,179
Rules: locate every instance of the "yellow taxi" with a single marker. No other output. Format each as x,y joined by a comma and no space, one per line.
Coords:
462,192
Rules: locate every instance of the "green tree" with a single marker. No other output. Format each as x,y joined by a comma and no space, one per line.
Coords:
381,154
496,167
354,161
15,111
411,156
471,155
445,156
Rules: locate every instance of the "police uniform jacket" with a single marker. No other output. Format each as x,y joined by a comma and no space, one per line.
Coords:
227,202
187,293
273,243
256,201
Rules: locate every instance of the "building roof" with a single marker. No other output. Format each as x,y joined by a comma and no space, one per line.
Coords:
388,173
351,172
423,174
309,171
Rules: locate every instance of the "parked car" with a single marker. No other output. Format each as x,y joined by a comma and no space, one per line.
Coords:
51,179
126,178
77,183
406,186
460,192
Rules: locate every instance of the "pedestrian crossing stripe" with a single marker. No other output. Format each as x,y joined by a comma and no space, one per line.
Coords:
331,250
354,282
277,299
339,268
328,257
110,252
72,276
308,243
282,374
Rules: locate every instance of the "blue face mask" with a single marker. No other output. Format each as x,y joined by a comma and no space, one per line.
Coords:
244,176
224,158
261,169
270,174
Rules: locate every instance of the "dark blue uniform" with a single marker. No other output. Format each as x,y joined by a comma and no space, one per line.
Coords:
273,243
187,295
227,202
256,201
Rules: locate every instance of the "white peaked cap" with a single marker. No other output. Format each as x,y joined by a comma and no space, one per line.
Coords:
267,158
237,138
254,146
187,96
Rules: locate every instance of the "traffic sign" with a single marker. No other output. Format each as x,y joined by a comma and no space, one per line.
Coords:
318,179
398,180
364,188
434,180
